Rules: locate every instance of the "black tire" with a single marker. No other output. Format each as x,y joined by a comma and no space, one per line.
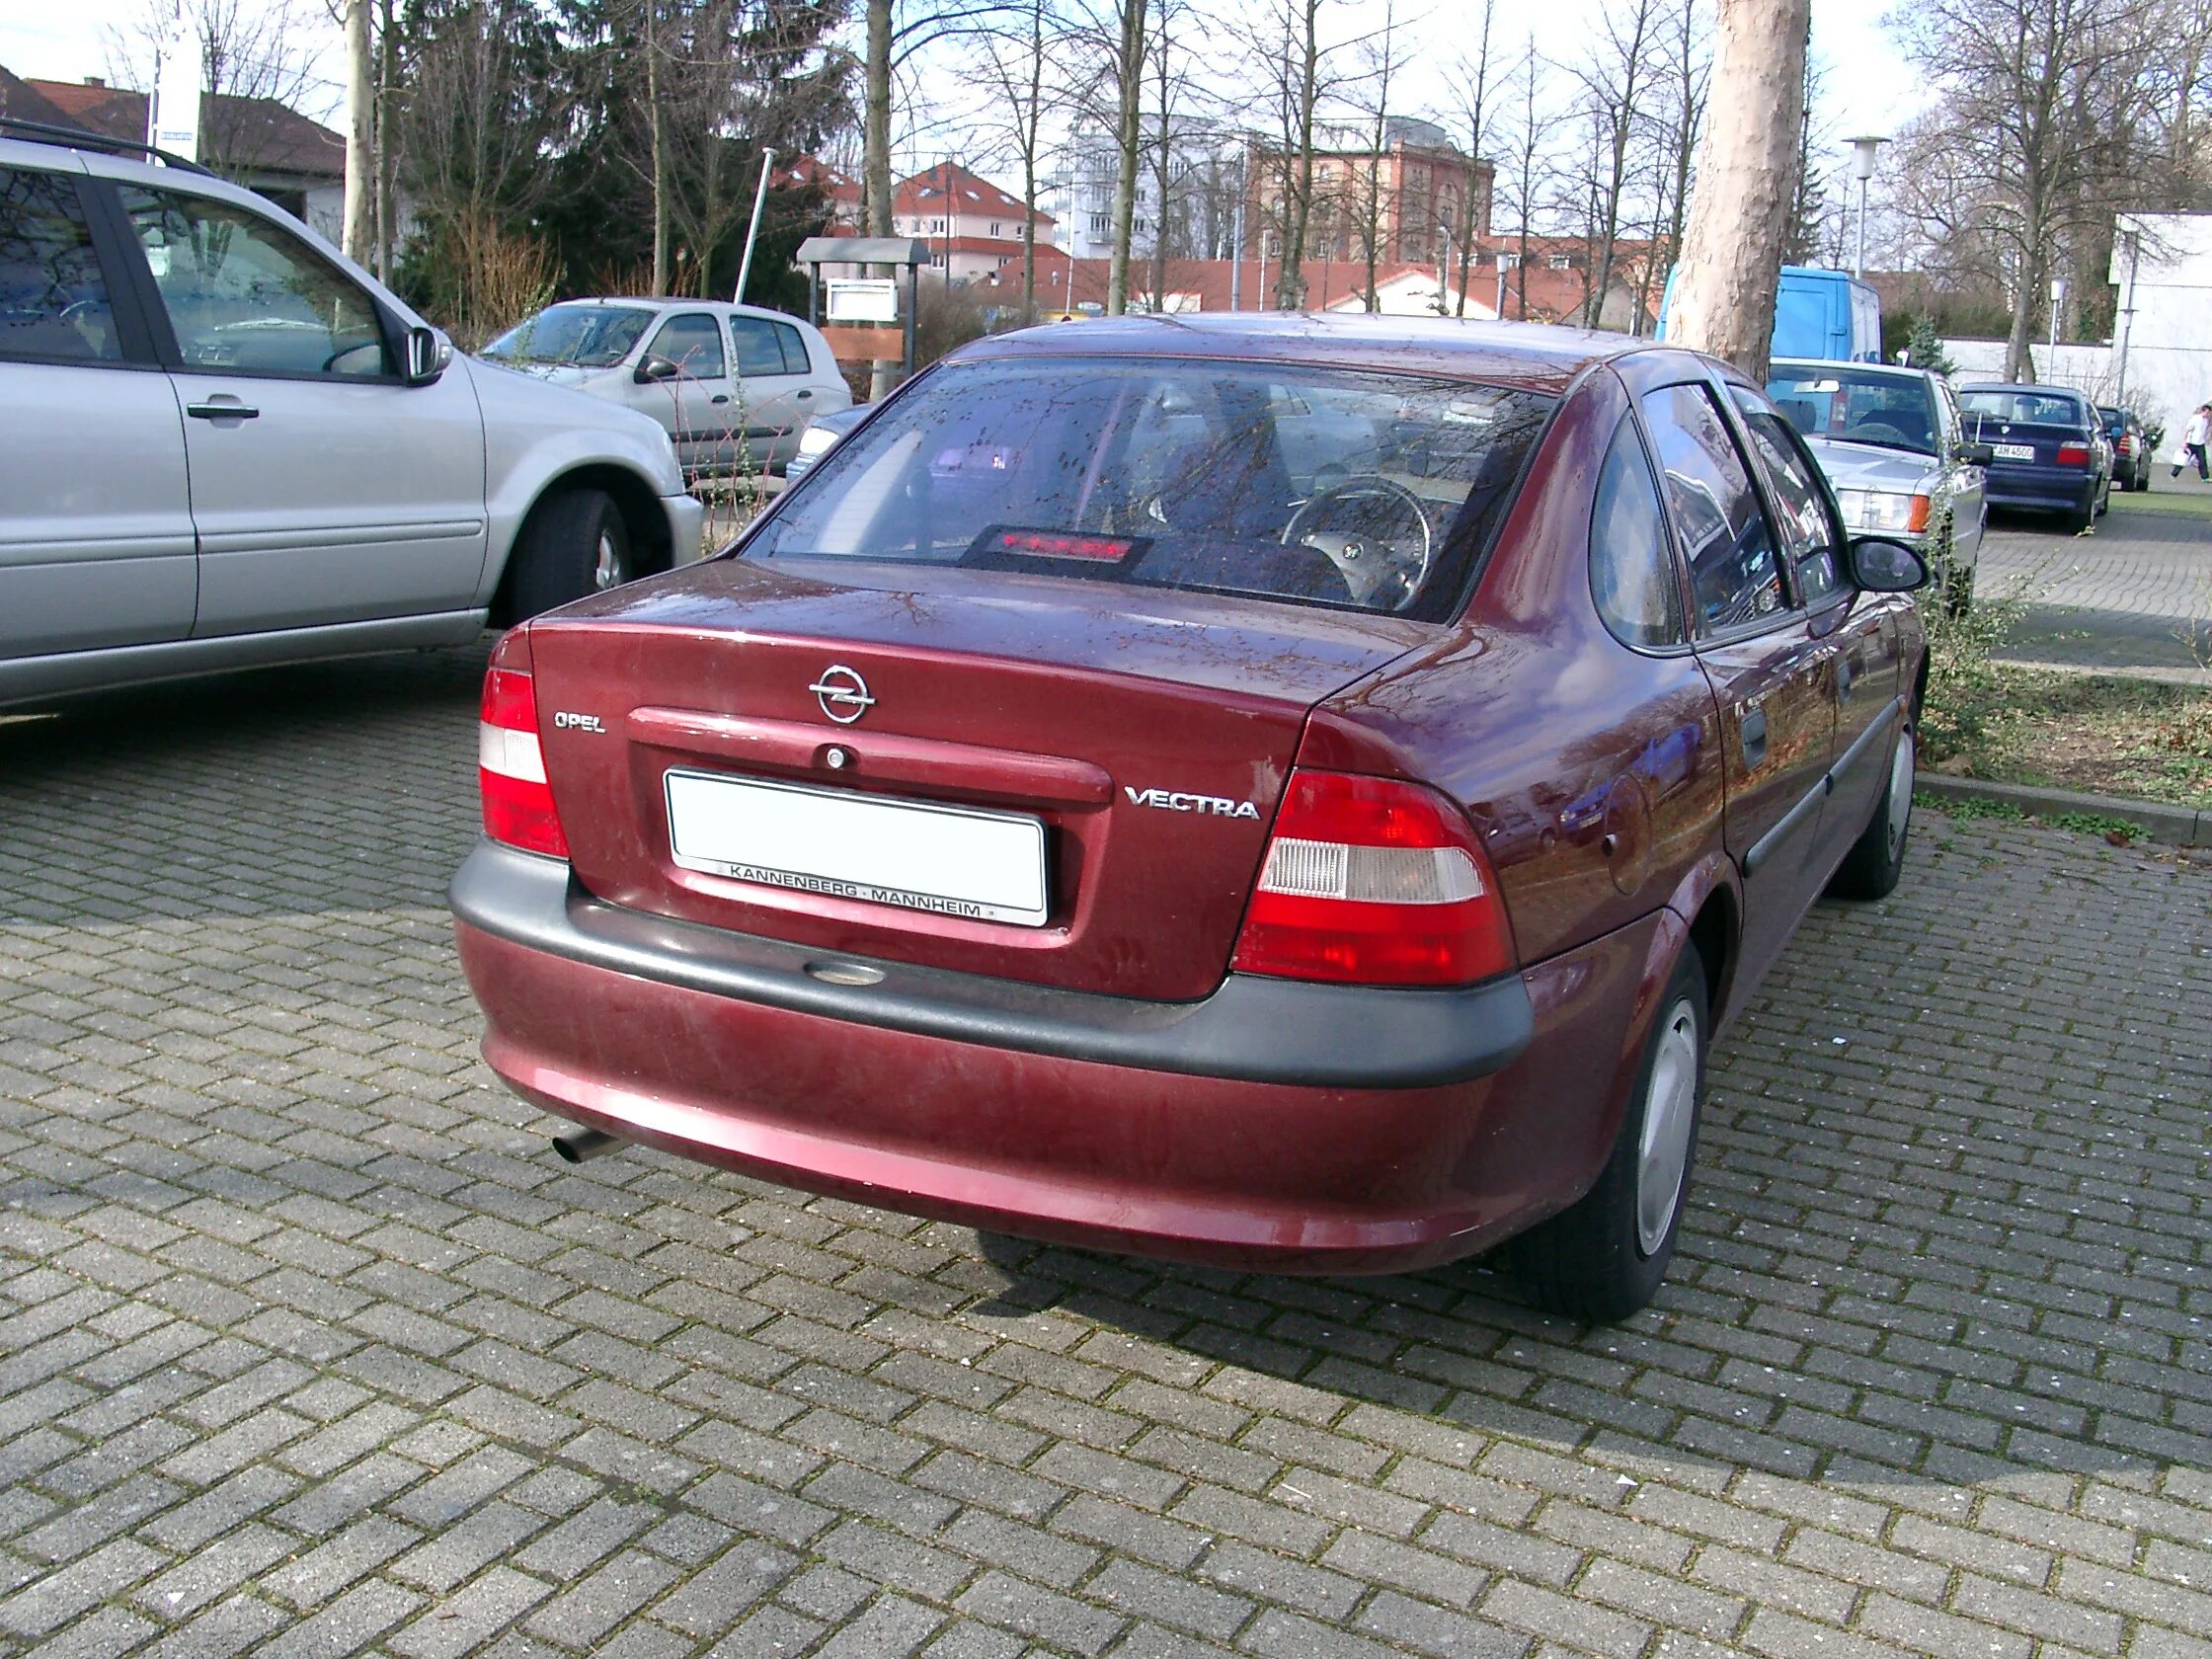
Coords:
574,543
2077,518
1604,1257
1877,859
2141,482
2104,498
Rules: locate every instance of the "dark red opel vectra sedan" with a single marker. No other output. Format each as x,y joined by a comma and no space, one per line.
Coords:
1287,792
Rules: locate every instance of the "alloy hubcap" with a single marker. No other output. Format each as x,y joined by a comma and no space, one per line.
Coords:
1900,795
1669,1110
606,570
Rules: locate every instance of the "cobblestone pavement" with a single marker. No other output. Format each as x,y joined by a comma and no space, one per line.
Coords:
307,1347
2122,599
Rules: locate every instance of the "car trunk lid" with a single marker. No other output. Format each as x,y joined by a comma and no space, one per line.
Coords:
1140,738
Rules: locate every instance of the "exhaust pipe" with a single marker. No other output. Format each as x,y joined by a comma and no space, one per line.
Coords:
580,1143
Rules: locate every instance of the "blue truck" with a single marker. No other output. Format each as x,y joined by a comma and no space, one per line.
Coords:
1828,316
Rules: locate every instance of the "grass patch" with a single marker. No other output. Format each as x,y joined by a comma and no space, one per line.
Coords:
2087,733
2190,501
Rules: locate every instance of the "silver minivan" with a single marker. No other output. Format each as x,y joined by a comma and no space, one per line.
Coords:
733,385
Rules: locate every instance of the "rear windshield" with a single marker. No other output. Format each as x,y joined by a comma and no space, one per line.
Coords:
2038,409
588,335
1858,406
1306,485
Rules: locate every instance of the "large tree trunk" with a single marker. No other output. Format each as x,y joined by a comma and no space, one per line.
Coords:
875,156
658,118
387,136
1128,131
361,142
2019,343
1739,210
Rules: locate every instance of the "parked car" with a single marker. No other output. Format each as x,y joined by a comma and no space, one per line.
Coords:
224,444
1105,837
1893,447
821,436
733,385
2048,446
2132,453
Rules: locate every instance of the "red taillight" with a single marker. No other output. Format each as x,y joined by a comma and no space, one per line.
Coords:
1369,881
510,767
2072,454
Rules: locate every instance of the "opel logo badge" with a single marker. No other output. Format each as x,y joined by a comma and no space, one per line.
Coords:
842,694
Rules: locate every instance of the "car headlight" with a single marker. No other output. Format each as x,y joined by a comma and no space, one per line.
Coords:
816,440
1874,511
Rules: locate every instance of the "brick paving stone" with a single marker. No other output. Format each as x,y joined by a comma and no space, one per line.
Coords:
306,1346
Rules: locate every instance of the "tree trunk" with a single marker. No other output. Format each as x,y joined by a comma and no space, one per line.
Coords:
387,137
1739,210
1129,131
658,118
2019,343
1290,276
875,157
361,140
1159,178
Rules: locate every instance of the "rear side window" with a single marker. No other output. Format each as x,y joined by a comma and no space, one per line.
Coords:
245,295
53,302
693,342
1283,481
760,348
1632,560
1735,573
794,349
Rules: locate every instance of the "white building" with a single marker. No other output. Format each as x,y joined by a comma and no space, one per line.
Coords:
1079,196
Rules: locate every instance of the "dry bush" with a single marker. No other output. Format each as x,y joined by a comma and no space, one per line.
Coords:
502,275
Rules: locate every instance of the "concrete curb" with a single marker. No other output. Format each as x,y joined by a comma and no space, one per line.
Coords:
2173,826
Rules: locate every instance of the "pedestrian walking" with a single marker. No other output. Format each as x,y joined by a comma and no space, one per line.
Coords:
2194,436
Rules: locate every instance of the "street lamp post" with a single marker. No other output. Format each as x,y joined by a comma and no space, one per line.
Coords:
1863,152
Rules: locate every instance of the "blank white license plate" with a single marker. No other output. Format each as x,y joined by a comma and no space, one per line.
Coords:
919,856
2012,451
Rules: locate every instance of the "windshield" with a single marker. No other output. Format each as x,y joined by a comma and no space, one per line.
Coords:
2035,409
1858,406
589,335
1293,483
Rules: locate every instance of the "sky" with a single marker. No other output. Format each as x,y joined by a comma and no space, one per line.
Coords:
1864,90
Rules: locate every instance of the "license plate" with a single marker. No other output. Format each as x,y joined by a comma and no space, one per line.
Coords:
919,855
2012,451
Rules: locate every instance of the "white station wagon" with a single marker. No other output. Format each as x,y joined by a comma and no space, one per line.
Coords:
715,375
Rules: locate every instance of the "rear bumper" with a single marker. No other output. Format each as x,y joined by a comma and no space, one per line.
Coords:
2042,489
686,514
1288,1126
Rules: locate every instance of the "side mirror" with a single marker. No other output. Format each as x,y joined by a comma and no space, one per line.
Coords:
428,355
1976,454
654,368
1881,566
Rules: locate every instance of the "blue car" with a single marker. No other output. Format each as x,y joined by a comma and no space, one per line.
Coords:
2047,450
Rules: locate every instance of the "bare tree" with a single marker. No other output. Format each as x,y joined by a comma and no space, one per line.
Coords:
2041,101
1615,79
1531,124
1373,207
1281,51
1472,83
1014,61
248,51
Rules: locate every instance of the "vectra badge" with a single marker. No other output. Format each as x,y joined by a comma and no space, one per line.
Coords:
842,694
1175,801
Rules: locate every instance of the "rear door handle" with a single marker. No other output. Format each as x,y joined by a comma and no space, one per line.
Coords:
807,393
233,411
720,397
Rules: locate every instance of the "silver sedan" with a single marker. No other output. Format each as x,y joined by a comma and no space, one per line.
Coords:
1893,447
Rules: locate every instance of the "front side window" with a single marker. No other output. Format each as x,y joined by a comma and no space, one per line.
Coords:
54,302
1632,557
1735,573
1808,535
245,295
1286,481
693,342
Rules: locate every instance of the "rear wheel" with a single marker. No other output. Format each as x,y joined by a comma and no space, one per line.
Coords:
573,544
1604,1257
2079,518
1877,859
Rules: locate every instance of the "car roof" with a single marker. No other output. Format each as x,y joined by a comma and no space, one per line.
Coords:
1537,355
671,301
1903,370
2024,386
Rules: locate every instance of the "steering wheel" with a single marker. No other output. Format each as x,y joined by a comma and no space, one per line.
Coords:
1386,547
